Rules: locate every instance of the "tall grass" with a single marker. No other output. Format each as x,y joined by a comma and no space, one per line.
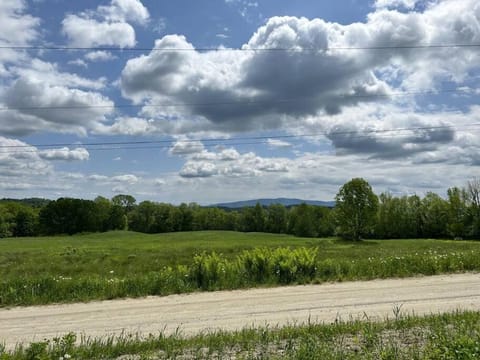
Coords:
214,271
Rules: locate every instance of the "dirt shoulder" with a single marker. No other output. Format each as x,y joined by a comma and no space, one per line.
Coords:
231,310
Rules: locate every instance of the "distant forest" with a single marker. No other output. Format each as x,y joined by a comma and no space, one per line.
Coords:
457,216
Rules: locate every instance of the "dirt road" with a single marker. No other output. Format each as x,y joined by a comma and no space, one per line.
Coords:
236,309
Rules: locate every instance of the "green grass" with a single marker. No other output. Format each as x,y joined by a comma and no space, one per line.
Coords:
126,264
447,336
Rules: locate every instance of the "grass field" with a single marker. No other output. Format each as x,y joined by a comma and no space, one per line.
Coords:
123,264
447,336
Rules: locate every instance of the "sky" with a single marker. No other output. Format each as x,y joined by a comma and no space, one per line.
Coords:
222,100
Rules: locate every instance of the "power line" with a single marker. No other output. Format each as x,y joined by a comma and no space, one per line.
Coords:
226,103
212,142
264,137
246,49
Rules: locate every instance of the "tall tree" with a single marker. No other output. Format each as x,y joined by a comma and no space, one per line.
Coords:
473,201
356,209
127,202
302,221
434,212
457,212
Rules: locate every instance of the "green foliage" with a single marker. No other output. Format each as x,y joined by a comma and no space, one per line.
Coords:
457,211
276,219
127,202
398,217
17,219
252,219
434,211
356,209
302,221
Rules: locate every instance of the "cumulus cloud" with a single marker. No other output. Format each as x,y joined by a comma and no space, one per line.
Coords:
407,4
126,178
277,143
229,162
125,10
186,147
256,89
96,177
19,160
43,98
17,28
271,89
65,154
100,55
198,169
107,25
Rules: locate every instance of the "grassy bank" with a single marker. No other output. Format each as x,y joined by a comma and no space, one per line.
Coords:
125,264
447,336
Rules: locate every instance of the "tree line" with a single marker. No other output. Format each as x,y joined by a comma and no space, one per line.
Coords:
358,213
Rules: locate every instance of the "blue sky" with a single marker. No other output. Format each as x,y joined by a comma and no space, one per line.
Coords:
239,99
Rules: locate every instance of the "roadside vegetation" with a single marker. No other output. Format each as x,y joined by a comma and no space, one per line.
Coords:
446,336
125,264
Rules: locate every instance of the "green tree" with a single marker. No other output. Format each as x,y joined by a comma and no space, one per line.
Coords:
253,219
276,219
127,202
302,221
69,216
26,222
102,211
355,209
457,212
434,212
473,202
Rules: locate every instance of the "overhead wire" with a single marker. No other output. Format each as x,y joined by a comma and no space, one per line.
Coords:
135,144
238,141
257,137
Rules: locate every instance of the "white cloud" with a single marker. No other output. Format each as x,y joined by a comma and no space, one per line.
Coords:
257,92
17,27
229,162
198,169
125,10
19,160
107,25
96,177
42,98
277,143
407,4
87,32
65,154
78,62
100,55
127,126
127,178
184,146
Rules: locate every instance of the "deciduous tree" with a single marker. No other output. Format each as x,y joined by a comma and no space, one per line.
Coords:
356,209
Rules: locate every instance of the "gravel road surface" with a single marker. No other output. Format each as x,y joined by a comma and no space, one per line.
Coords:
230,310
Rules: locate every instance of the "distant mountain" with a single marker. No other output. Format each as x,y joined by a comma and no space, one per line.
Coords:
33,202
267,202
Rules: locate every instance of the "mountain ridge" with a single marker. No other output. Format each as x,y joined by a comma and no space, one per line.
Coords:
270,201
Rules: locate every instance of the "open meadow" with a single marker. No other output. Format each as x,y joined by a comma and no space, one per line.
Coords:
127,264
